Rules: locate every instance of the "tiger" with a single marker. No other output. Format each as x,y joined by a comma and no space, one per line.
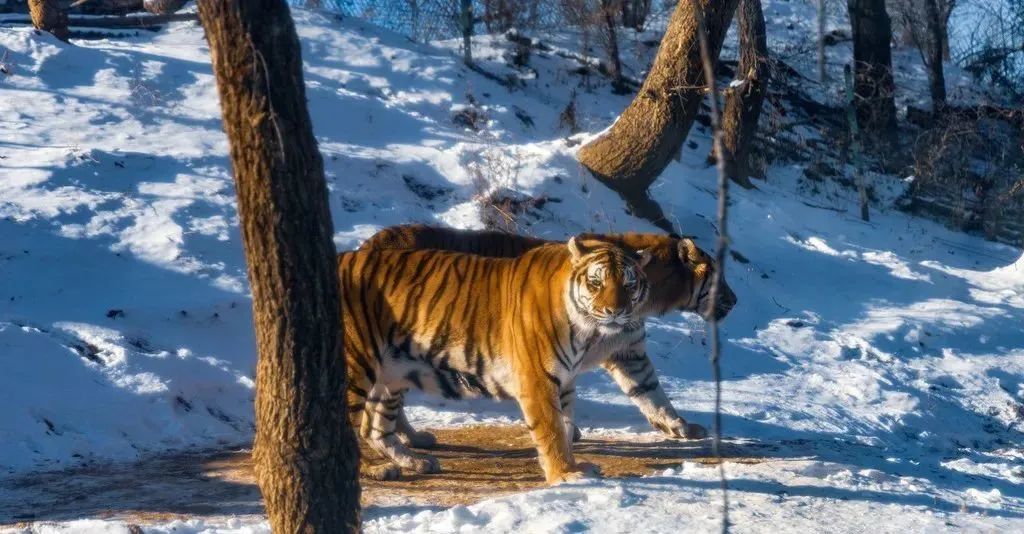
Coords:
679,273
463,325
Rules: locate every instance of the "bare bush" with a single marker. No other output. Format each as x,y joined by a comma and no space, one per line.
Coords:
598,20
502,15
969,168
993,49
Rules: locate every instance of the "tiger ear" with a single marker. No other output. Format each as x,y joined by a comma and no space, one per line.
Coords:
643,257
575,253
688,251
692,256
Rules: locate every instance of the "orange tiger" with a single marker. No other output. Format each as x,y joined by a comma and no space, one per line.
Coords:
463,325
679,274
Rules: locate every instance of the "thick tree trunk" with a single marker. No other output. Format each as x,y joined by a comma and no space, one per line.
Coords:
305,453
872,63
933,47
743,100
651,131
48,16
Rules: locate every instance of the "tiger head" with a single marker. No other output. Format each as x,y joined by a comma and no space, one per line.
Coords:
607,285
703,270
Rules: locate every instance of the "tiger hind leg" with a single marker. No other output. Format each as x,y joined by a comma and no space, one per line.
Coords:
356,397
381,416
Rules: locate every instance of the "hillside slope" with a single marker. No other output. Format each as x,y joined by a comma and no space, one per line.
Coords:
880,366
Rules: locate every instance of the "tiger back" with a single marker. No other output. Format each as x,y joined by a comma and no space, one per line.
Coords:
679,270
461,325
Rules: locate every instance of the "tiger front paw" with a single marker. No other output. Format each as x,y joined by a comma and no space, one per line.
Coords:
419,463
418,439
426,465
381,472
682,430
580,471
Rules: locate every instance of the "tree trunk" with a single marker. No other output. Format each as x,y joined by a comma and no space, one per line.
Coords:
650,132
946,8
612,46
305,453
163,7
743,101
635,13
821,41
48,16
872,63
466,23
933,50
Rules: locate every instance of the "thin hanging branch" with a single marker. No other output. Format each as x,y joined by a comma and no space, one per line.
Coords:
855,146
720,254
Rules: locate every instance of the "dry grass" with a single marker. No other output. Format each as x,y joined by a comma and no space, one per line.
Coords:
478,462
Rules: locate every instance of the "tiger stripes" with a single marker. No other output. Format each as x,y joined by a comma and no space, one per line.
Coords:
461,325
679,274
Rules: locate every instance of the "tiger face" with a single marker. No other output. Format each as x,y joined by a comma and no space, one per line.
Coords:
607,285
704,271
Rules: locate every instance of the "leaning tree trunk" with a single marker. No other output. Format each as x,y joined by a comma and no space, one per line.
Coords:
48,16
305,453
650,132
872,70
743,100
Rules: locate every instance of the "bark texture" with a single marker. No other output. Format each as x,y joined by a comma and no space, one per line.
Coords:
872,72
650,132
305,453
743,100
48,16
163,7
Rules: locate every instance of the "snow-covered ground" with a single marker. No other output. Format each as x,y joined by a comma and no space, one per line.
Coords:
878,367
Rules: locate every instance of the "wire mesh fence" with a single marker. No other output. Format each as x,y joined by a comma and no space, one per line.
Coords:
428,20
420,20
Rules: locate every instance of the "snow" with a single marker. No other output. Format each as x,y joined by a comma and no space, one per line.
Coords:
877,368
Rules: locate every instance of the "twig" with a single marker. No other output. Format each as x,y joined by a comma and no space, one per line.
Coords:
837,210
855,144
509,83
720,255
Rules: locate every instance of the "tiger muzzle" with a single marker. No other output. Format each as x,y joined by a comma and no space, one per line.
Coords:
720,309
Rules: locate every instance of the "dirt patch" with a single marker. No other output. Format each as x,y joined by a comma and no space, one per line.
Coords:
478,462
